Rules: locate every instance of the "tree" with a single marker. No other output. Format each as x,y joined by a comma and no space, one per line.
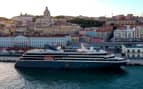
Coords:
86,23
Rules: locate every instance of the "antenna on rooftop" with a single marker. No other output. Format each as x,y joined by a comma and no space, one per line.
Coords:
112,14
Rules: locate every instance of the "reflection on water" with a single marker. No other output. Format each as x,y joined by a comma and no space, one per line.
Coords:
85,75
11,78
64,79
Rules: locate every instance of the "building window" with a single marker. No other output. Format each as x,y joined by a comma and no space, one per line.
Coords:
133,51
128,55
138,56
138,51
133,56
128,50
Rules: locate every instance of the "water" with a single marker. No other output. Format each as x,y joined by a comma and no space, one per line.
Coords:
128,78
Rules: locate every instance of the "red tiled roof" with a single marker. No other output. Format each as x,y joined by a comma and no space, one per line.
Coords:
97,40
103,30
15,48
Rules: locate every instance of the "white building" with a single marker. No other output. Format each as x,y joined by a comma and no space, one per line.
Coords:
128,34
36,42
133,52
6,42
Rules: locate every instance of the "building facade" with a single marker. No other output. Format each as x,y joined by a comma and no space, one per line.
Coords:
43,21
132,52
122,22
104,32
34,42
129,34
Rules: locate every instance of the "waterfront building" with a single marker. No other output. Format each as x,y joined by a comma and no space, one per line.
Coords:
129,34
132,51
104,32
34,42
6,42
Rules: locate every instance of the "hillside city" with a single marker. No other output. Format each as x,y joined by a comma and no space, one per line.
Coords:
71,44
28,31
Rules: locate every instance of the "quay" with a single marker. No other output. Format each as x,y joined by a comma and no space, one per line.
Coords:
9,59
135,62
132,62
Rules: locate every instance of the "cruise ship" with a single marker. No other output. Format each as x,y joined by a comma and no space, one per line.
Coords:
82,58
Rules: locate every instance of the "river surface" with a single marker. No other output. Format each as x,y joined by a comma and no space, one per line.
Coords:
126,78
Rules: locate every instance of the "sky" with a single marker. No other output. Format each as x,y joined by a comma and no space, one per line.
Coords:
91,8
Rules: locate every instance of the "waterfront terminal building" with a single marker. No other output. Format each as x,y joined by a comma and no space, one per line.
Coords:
133,51
33,42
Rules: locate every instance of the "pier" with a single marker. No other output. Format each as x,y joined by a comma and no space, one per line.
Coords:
136,62
132,62
9,59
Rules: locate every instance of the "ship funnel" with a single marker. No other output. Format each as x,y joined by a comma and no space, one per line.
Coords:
59,48
82,46
91,48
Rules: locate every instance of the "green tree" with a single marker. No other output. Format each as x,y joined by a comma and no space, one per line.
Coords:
86,23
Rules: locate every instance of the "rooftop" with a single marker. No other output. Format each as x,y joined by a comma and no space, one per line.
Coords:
134,46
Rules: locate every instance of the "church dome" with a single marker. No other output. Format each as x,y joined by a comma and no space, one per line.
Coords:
47,12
